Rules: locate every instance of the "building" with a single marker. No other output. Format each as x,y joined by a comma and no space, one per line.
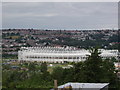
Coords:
84,86
117,65
59,54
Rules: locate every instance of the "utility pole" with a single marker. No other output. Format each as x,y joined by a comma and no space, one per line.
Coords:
119,40
55,84
118,73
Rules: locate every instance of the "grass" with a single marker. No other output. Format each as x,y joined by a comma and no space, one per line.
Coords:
50,68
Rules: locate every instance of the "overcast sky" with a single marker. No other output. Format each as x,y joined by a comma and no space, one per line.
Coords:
66,15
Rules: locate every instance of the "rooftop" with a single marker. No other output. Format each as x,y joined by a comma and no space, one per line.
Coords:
85,85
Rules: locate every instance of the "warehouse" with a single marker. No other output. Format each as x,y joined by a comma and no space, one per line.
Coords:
59,54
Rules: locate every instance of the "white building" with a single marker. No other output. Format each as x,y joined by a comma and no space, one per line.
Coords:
59,54
117,65
84,86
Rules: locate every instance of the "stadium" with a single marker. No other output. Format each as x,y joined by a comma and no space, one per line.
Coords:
59,54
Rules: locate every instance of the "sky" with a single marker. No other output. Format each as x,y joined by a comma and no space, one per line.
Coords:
60,15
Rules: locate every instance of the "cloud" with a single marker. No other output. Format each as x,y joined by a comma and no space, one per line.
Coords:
66,15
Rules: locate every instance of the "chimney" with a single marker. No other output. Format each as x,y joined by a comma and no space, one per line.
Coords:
55,84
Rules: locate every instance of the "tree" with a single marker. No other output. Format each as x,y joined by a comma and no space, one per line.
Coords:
79,72
31,66
95,70
43,67
57,74
108,74
68,75
93,66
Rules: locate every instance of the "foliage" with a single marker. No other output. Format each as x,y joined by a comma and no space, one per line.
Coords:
93,66
57,74
93,70
43,67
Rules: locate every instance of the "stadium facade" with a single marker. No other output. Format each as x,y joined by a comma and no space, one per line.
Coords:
59,54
